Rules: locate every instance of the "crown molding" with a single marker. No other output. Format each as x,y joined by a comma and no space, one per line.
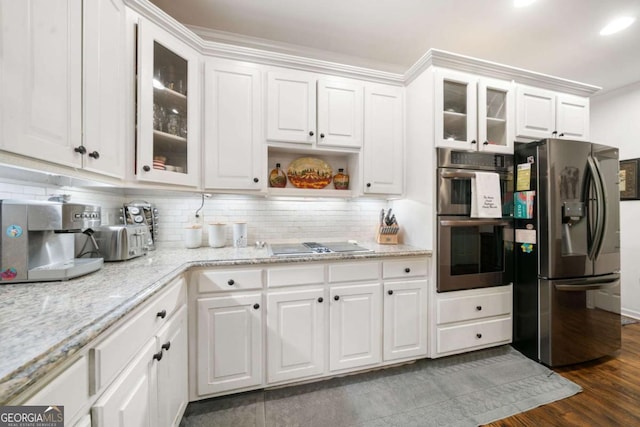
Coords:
266,54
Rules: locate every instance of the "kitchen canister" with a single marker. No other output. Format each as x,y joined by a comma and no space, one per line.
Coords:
217,235
193,236
240,235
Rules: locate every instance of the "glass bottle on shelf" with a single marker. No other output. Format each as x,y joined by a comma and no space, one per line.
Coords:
277,177
341,180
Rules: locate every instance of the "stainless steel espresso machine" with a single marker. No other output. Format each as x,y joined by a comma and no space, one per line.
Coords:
38,243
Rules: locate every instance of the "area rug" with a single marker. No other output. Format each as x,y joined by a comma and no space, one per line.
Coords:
628,320
463,390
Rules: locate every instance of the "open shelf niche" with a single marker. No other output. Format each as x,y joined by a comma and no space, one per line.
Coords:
349,161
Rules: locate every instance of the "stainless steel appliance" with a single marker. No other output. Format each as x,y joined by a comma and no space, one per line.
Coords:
122,242
566,291
38,242
315,248
141,212
472,252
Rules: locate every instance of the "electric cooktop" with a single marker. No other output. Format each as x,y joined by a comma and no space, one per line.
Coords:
315,248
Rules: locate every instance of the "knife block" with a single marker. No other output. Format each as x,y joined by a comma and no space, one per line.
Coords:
388,234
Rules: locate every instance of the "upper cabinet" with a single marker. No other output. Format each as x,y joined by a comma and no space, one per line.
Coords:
41,79
233,146
168,145
544,114
383,135
293,99
473,113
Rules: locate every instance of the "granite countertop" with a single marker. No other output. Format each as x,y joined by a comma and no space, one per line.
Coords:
41,324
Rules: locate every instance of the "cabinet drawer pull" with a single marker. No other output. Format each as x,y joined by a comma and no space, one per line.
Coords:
479,307
256,180
80,149
485,143
256,306
407,270
390,292
368,185
166,346
310,133
146,168
158,356
231,282
161,314
473,141
94,154
320,299
337,297
322,135
478,336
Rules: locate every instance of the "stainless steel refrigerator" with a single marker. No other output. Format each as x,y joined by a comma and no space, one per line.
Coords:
567,244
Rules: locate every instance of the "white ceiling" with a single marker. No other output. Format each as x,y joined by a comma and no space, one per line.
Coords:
555,37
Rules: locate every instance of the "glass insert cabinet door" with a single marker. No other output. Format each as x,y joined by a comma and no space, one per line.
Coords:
168,139
456,110
495,116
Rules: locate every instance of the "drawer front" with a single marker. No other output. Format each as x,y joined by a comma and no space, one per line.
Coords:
229,280
112,354
354,271
70,389
294,276
474,335
460,309
404,268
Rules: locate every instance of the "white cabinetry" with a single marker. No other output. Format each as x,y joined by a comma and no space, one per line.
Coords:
405,319
41,79
292,99
544,114
229,347
473,113
470,320
295,334
168,145
355,327
233,151
384,140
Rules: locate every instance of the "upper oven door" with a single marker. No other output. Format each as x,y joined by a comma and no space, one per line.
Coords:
454,191
474,253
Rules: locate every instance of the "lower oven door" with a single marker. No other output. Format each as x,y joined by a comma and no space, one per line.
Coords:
474,253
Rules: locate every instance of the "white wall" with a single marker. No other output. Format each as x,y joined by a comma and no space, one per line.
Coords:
615,120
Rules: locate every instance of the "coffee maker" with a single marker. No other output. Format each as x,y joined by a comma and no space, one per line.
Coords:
38,243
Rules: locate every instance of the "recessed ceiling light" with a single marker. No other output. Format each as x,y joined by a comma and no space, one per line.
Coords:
522,3
616,25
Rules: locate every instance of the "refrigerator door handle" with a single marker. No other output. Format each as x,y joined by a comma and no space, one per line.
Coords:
586,281
602,206
592,287
597,183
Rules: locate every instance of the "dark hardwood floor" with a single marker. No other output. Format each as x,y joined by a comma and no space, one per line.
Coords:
610,396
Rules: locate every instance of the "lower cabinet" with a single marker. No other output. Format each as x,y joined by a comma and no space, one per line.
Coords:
152,391
229,342
405,319
295,334
355,326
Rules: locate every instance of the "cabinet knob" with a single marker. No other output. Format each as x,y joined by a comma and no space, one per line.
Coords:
80,149
231,282
255,180
368,184
562,134
322,135
390,292
166,346
310,133
158,356
554,133
407,270
256,306
478,336
479,307
146,168
473,141
320,299
485,143
162,314
337,297
94,154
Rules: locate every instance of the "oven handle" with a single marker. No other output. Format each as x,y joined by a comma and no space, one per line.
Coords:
472,222
465,174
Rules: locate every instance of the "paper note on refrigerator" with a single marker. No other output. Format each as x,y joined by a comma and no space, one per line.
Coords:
523,182
523,204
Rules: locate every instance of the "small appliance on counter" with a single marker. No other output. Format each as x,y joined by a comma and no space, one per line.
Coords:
122,242
141,212
38,243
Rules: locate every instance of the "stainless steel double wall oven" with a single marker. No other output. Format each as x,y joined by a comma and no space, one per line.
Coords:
472,252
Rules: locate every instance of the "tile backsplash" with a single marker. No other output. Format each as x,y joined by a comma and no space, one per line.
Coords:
267,219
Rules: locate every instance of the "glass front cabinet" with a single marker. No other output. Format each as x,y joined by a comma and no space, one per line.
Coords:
168,143
473,113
